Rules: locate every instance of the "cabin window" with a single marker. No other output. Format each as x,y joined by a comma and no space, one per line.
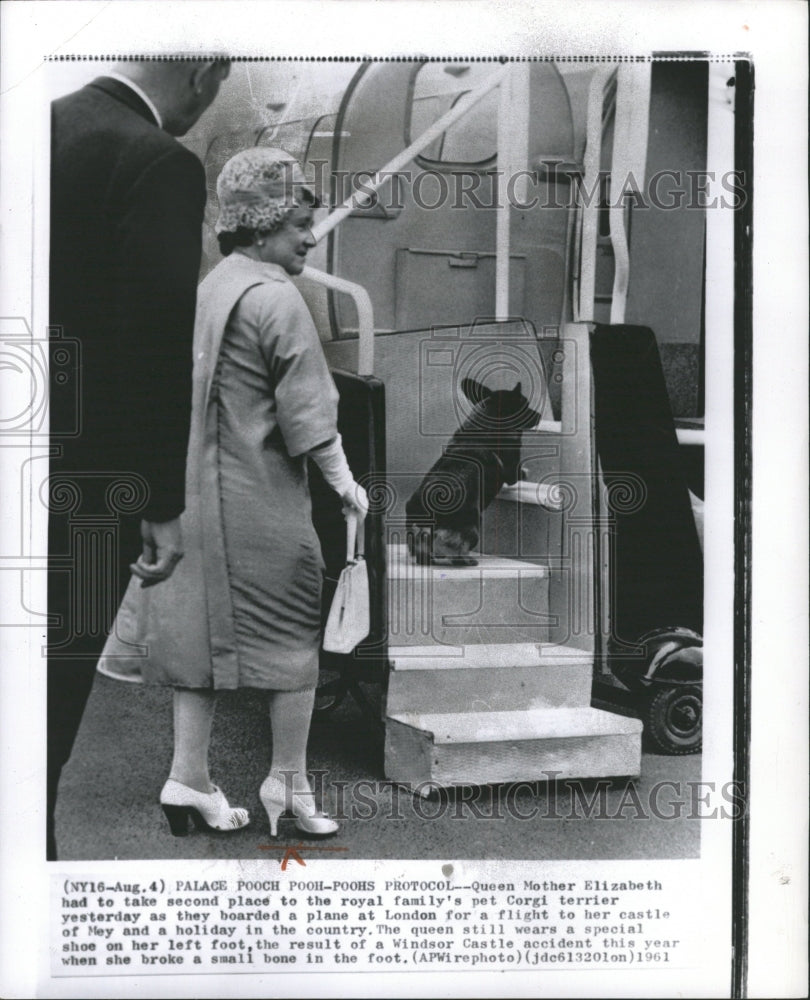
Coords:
438,87
223,146
290,136
318,156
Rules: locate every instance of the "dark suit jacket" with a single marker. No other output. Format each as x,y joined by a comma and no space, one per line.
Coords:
127,205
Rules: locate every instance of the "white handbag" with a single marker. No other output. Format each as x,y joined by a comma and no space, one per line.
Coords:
348,621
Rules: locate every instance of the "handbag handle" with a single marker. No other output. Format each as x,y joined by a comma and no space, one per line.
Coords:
355,540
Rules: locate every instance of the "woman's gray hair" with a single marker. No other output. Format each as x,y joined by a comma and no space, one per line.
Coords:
258,189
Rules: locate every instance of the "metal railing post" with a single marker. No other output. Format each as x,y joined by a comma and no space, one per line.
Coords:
365,314
502,228
590,210
627,170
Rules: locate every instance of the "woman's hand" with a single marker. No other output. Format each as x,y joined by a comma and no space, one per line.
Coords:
162,551
355,501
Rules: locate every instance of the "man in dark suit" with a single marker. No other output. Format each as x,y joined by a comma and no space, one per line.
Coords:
127,205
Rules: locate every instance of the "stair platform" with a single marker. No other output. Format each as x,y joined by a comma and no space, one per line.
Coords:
486,676
483,655
478,748
478,694
500,599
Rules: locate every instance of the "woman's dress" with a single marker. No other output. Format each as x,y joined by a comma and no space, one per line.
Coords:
243,607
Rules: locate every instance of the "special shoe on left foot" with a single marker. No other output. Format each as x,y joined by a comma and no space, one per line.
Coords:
208,810
308,819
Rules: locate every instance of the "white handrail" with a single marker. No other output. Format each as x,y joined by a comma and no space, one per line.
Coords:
621,262
361,198
365,314
691,435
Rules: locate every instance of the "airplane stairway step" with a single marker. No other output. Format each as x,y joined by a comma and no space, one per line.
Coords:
476,692
476,748
499,600
487,677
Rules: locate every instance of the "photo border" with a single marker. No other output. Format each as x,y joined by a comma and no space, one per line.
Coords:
744,389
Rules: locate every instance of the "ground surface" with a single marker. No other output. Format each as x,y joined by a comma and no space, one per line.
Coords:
108,804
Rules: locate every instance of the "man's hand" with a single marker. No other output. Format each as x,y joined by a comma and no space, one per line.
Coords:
162,551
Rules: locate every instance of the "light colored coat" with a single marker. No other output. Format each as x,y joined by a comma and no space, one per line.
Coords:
184,631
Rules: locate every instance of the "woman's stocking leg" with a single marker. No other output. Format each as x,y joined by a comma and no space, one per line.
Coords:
193,717
290,716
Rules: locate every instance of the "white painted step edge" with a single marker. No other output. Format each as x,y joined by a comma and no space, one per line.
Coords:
485,655
402,567
503,727
547,495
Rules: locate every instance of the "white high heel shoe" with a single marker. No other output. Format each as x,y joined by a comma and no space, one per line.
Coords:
209,811
308,819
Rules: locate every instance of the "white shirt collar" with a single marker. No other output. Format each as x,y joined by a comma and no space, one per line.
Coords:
143,96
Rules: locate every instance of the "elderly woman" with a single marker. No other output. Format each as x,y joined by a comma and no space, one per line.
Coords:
243,608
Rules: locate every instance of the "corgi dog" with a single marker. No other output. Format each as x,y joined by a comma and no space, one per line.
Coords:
444,514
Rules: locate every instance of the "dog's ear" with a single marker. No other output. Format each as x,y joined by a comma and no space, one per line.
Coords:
529,417
474,391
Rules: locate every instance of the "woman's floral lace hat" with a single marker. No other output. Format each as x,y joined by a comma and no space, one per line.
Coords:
258,189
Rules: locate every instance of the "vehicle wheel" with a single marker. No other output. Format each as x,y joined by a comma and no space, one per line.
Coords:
674,720
330,692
